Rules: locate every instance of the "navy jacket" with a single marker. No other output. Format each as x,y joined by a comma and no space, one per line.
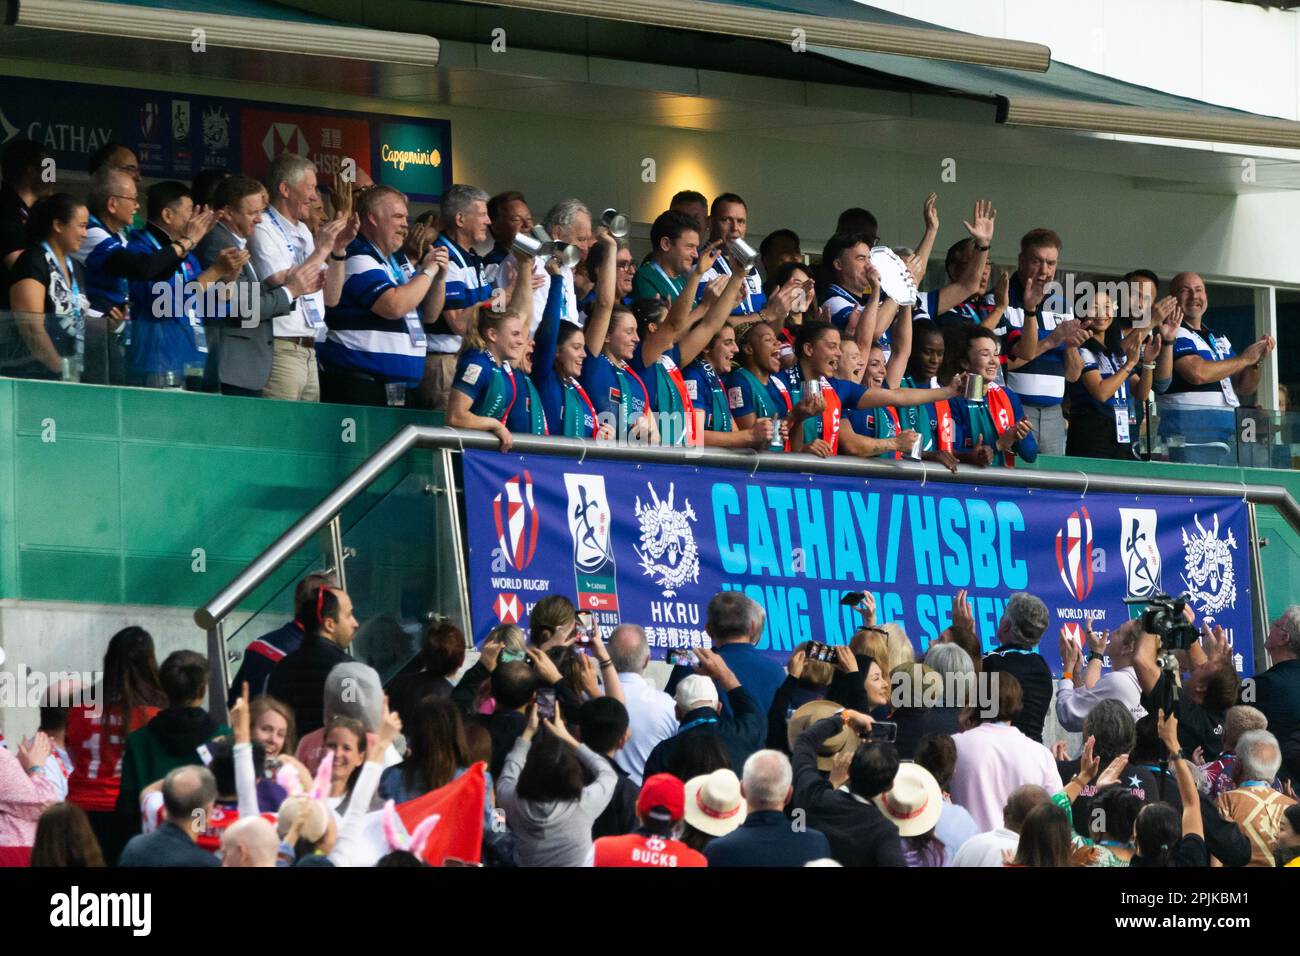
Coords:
859,834
741,734
261,656
299,681
757,673
167,846
1035,677
768,838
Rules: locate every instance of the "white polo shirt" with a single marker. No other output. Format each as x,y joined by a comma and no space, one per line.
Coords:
275,245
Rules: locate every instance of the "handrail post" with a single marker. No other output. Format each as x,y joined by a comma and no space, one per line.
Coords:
218,672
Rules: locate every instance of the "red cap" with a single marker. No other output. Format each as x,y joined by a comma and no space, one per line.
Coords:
663,791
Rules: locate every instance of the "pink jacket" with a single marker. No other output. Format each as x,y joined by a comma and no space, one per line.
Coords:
22,798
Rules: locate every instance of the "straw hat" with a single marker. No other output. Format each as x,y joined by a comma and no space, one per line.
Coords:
714,804
809,714
914,802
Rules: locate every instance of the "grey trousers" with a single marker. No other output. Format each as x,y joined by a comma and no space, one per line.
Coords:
1049,428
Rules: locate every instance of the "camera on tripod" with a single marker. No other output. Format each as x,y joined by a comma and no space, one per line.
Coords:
1164,617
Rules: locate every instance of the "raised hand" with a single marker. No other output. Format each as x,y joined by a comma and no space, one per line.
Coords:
543,666
239,717
414,244
1059,751
304,279
982,222
1167,727
1110,775
390,725
556,726
840,765
200,222
707,257
1002,291
712,665
489,654
963,619
930,214
845,660
1097,641
34,752
794,667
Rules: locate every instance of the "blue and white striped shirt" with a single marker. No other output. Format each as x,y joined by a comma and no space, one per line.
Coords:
1040,383
391,350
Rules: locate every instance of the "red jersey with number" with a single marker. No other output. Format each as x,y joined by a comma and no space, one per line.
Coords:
637,850
95,745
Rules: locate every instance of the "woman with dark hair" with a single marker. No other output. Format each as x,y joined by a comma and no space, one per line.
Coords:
64,839
1287,851
441,656
544,792
436,751
698,755
561,351
1114,812
128,696
756,390
1162,839
1117,372
1044,839
47,295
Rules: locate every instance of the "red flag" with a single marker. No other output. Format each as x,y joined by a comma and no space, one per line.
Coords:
459,833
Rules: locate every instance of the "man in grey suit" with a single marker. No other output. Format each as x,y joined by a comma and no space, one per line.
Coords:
242,348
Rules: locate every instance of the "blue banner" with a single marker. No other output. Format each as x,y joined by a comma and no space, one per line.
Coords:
175,135
651,544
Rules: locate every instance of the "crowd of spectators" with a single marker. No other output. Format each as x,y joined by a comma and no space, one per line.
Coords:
556,748
284,288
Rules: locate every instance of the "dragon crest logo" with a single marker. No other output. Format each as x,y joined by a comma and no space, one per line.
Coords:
667,542
1208,573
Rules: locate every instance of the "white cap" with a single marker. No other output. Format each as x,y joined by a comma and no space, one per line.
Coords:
696,690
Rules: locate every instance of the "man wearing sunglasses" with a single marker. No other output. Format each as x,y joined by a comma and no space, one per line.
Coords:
299,679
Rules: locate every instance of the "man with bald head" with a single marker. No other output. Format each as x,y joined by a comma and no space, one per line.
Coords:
188,795
1197,411
248,842
652,714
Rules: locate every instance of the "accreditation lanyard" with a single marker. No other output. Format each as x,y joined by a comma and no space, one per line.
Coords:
57,276
296,249
413,327
187,274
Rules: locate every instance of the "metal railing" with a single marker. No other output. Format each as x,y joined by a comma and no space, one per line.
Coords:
211,615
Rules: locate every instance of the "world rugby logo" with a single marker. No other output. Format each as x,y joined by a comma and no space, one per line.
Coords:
516,520
1074,554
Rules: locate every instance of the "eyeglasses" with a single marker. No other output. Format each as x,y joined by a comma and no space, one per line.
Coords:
876,630
625,265
130,199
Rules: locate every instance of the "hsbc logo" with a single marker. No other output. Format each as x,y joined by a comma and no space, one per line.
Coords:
284,138
517,521
1074,554
507,608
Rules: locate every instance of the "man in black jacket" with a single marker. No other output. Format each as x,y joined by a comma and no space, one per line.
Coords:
605,729
699,711
858,832
1021,628
299,678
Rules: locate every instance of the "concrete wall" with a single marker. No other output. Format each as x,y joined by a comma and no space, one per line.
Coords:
45,637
